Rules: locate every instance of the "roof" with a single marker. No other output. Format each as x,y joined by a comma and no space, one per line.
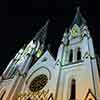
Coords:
42,34
78,19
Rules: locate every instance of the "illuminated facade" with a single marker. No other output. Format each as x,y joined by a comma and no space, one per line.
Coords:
33,74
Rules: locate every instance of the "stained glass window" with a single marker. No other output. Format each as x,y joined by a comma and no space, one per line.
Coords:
38,83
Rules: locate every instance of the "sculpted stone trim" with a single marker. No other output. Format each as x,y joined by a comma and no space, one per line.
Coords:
20,73
40,95
2,93
37,70
90,92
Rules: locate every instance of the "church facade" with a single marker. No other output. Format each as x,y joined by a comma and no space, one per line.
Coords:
33,74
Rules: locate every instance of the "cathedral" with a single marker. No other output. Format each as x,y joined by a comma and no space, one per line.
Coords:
34,74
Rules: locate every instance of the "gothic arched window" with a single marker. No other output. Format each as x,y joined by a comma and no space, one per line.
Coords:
73,90
79,54
71,56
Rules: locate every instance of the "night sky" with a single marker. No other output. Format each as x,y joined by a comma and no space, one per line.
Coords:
21,21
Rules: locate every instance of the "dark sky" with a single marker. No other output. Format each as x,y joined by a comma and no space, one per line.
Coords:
21,20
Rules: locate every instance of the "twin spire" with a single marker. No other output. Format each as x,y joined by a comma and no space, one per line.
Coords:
74,29
36,48
78,19
42,34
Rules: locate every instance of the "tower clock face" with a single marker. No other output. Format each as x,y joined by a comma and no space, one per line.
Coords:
38,83
75,30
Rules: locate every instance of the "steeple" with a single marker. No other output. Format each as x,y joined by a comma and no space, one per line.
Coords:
78,19
42,33
40,38
35,46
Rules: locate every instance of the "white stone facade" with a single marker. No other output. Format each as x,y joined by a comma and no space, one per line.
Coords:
72,76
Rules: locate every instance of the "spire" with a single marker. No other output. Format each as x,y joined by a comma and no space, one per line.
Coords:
42,34
78,19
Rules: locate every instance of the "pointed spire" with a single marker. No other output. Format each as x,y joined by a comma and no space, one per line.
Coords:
42,34
78,19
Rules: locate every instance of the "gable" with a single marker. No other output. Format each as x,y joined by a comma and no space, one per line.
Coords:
45,60
90,96
45,66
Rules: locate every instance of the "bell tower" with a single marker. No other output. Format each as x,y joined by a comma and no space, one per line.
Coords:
78,68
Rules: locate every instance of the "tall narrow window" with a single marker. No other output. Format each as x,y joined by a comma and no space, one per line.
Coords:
73,90
71,56
68,42
79,54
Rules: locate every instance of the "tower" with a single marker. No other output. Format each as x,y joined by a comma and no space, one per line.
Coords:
78,67
34,74
14,75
